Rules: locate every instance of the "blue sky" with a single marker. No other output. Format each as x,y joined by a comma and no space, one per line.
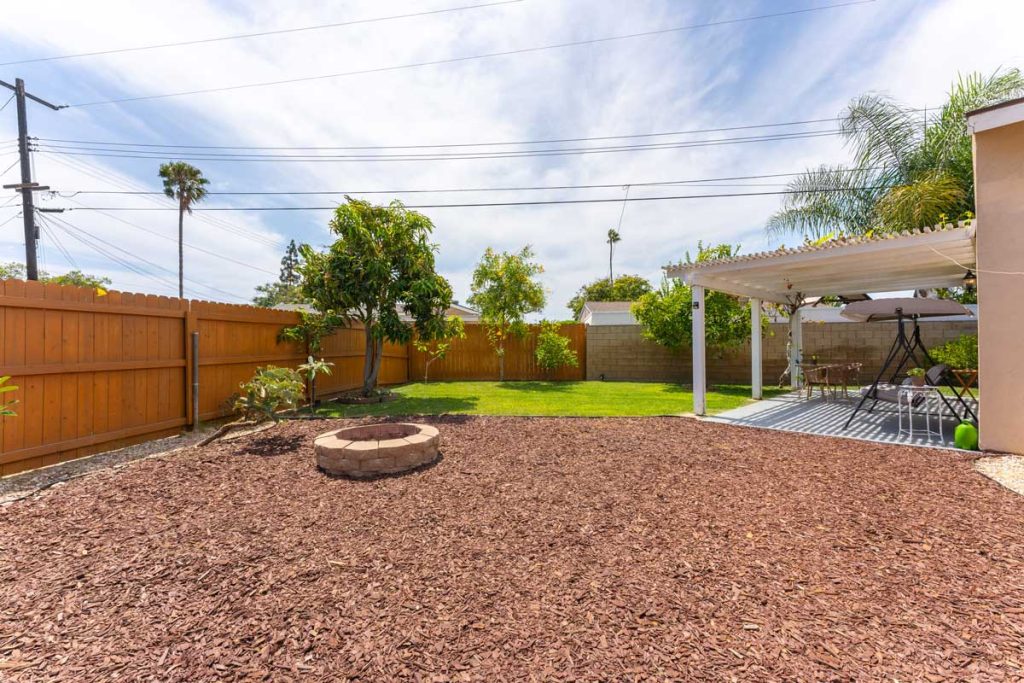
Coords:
782,69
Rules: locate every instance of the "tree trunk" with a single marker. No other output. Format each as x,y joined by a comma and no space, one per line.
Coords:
501,364
368,360
426,369
611,250
181,250
378,354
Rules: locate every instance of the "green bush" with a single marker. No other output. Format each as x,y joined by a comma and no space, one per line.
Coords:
553,350
958,354
271,389
5,406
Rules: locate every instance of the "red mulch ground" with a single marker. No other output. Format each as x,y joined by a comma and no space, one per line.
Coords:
547,549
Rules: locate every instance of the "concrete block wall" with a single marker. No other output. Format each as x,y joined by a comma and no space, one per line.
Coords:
620,352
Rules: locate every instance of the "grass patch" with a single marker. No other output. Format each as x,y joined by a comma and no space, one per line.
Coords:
585,399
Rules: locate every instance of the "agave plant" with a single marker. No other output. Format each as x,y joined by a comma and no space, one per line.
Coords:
909,169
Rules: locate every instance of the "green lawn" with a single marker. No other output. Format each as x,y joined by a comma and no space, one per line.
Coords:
589,399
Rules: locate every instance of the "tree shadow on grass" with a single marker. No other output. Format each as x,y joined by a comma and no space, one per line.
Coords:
407,405
538,387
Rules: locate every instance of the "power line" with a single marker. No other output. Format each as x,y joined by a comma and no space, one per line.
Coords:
489,55
171,239
693,131
132,267
344,158
259,34
85,167
487,204
9,219
703,182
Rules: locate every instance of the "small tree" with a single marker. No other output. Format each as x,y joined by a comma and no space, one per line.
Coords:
436,348
313,327
667,314
505,291
270,390
613,239
624,288
310,369
381,262
185,183
553,350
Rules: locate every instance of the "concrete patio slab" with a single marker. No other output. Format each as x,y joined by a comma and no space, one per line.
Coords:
791,412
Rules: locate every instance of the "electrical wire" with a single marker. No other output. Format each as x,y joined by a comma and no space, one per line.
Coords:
489,55
52,234
703,182
11,218
4,172
9,100
489,204
692,131
260,34
88,169
346,158
172,239
132,267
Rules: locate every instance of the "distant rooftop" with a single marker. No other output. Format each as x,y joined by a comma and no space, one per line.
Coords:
609,306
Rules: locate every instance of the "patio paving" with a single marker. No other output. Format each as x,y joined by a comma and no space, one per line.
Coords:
580,549
791,412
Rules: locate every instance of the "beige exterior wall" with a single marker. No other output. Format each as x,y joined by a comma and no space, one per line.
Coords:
999,183
620,352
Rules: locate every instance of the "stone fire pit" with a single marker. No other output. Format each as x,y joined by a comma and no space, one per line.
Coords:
373,450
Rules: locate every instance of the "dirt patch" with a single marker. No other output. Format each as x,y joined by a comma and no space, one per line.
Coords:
554,549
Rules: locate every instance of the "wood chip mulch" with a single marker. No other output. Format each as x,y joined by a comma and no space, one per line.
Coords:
536,549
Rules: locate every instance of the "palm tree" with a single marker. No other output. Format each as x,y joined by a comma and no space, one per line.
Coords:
909,171
613,238
185,183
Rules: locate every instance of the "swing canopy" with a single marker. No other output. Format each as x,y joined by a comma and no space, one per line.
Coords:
893,309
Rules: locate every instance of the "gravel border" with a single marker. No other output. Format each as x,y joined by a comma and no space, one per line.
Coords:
1007,470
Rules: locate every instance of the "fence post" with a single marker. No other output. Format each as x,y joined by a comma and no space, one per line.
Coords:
191,368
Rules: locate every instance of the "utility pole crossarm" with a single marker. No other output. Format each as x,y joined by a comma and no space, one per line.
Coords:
40,100
26,186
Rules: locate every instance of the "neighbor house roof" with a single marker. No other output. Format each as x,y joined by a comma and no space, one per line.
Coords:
608,306
929,258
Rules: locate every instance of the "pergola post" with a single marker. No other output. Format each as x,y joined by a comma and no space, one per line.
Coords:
796,349
755,348
699,374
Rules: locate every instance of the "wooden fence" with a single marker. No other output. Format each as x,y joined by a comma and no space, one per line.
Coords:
473,358
99,372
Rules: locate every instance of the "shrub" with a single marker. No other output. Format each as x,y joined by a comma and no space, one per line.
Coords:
271,389
553,350
958,354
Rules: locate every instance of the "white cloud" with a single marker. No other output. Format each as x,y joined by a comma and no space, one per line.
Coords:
777,70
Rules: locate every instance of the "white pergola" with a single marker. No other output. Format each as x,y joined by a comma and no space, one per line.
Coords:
931,258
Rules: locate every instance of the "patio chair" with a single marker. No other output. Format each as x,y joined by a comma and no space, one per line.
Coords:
816,377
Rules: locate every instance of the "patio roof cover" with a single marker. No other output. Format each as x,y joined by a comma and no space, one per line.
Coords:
933,257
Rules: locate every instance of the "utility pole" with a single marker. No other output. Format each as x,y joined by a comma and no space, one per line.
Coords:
26,186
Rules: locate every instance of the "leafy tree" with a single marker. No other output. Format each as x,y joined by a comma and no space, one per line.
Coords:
667,315
959,354
907,173
553,350
381,261
312,329
16,271
624,288
505,291
613,239
185,183
437,348
290,263
287,289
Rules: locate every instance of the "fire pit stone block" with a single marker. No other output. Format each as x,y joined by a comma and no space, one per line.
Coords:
369,451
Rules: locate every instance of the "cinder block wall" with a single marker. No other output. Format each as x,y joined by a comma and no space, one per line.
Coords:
620,352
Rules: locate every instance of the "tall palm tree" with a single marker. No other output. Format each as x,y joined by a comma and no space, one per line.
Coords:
908,171
613,238
185,183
